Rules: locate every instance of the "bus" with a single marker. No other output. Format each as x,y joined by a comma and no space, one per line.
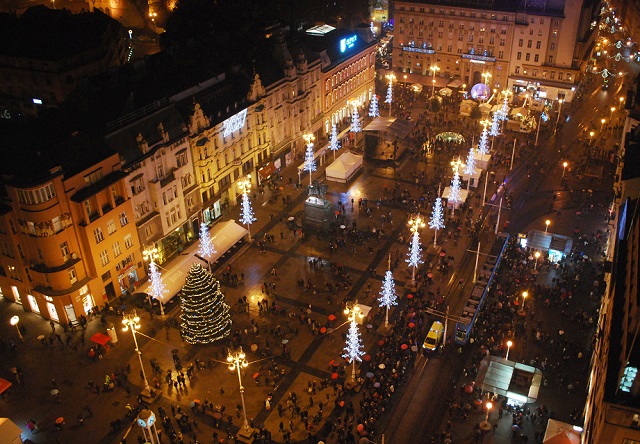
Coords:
480,290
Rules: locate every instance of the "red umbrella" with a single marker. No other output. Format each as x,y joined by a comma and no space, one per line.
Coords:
332,362
430,275
442,254
334,376
381,342
255,375
411,325
367,357
404,346
332,317
323,330
409,296
468,388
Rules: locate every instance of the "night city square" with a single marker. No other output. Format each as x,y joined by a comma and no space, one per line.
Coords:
322,222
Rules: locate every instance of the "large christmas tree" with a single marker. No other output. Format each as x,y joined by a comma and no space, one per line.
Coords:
205,316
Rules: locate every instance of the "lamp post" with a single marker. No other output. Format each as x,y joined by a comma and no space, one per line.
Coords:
14,321
591,134
564,167
509,344
415,223
524,298
538,130
434,69
132,321
602,122
151,254
546,225
613,108
559,111
621,101
536,255
236,359
486,76
489,407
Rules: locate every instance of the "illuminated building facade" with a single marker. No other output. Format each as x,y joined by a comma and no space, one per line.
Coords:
66,230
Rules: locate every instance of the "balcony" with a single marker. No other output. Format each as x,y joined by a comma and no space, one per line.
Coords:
167,180
50,291
43,268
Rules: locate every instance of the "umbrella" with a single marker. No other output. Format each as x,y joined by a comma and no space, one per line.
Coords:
60,420
254,347
332,317
414,348
369,326
323,330
255,375
411,325
366,357
290,218
376,385
285,341
445,92
430,275
334,376
468,388
197,401
381,342
409,296
404,346
369,375
360,428
54,392
381,366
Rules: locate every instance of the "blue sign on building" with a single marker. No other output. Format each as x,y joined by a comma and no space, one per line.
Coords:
348,43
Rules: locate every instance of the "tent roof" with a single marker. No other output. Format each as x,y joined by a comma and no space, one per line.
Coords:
508,378
100,338
4,385
397,127
543,241
345,162
559,432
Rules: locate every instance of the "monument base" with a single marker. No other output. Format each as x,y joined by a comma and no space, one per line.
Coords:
246,435
317,214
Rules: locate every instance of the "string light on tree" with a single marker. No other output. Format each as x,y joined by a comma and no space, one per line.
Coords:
157,286
374,111
356,125
309,161
504,110
495,124
334,145
246,212
483,146
470,166
205,316
455,196
206,249
437,218
388,295
354,348
415,250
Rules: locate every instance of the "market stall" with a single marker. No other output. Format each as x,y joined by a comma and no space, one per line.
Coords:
344,167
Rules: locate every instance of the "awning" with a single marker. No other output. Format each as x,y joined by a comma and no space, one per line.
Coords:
510,379
456,83
543,241
266,171
224,236
100,338
4,385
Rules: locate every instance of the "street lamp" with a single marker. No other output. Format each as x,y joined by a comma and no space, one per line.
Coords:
132,321
509,344
151,254
536,255
546,225
14,321
489,407
564,167
591,134
524,298
415,223
236,359
602,121
621,100
486,76
559,111
613,108
434,69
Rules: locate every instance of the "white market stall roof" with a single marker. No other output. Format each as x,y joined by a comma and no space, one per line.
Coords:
344,167
397,127
559,432
224,237
511,379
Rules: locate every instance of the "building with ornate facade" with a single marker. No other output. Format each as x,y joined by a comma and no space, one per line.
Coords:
67,237
502,43
153,143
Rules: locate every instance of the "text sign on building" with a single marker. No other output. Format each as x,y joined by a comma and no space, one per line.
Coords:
421,50
348,43
234,123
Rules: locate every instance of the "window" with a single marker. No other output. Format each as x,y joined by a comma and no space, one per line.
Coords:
111,226
123,219
73,277
64,249
128,241
553,75
538,44
529,43
38,195
544,74
148,231
560,75
117,250
550,60
104,257
527,57
92,178
502,42
106,276
501,54
536,58
552,47
519,56
517,70
98,235
87,206
520,42
554,33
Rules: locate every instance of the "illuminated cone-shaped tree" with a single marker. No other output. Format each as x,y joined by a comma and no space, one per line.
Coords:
483,146
334,145
353,350
373,107
470,167
504,111
437,219
309,161
388,294
415,254
389,98
356,125
495,124
206,249
454,191
205,315
246,213
157,286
